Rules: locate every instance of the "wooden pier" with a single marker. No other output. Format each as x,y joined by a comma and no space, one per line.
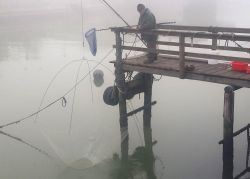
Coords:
193,50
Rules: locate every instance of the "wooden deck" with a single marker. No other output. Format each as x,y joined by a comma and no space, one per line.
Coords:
168,66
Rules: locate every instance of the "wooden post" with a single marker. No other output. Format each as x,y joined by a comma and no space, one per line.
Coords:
214,42
248,147
148,80
150,159
228,123
182,55
120,81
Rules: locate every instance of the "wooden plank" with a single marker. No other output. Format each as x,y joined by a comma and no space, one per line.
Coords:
216,68
189,75
232,74
218,73
203,68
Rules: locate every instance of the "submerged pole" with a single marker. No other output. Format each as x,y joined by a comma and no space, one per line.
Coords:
120,82
149,156
148,80
147,113
228,122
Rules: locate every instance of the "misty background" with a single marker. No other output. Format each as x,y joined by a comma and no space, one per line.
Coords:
37,37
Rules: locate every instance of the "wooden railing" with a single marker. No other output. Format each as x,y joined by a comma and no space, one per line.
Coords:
247,130
231,37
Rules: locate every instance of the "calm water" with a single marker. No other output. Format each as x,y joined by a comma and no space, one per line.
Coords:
186,122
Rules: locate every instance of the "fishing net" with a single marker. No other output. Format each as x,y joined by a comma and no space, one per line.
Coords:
88,143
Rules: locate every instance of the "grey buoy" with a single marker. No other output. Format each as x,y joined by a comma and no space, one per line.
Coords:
98,77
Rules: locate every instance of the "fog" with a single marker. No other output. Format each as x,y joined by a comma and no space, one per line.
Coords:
38,37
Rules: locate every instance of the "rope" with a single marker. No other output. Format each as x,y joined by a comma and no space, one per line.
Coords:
26,143
53,79
58,99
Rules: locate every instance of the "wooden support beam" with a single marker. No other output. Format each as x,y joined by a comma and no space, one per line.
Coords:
120,81
228,123
237,132
140,109
148,80
124,154
149,157
242,173
248,148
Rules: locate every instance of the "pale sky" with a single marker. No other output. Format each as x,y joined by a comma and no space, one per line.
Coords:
226,12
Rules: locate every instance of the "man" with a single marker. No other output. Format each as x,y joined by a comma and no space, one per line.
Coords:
147,22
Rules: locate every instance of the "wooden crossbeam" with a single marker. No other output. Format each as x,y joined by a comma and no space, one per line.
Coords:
140,109
237,132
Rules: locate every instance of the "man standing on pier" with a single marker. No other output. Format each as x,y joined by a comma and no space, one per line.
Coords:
147,21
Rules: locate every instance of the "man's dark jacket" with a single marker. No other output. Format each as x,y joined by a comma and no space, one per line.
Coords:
146,22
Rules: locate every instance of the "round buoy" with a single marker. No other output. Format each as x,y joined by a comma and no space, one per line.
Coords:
98,73
98,78
111,96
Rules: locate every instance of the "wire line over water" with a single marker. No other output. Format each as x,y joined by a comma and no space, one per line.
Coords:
58,99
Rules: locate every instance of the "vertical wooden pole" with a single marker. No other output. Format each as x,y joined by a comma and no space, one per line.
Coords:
248,147
120,82
182,56
214,42
148,81
228,123
147,113
150,159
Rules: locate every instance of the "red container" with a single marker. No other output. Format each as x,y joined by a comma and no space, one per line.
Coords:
239,66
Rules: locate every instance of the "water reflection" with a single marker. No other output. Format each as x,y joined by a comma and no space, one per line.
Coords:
98,78
141,163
